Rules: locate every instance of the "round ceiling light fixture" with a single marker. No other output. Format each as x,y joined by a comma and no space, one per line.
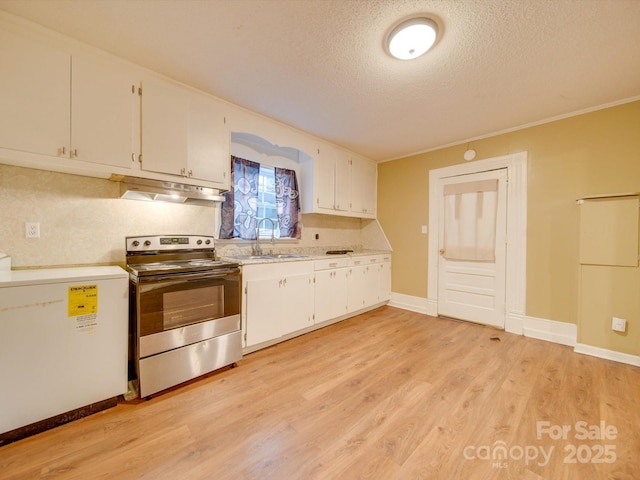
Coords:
412,38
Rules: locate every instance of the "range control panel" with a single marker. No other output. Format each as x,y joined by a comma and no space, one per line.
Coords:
169,242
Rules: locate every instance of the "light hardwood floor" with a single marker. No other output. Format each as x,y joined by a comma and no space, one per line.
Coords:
386,395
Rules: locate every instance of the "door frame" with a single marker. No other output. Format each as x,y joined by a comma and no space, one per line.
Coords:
516,254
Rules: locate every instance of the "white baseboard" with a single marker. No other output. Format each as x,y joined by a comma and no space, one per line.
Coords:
409,302
607,354
552,331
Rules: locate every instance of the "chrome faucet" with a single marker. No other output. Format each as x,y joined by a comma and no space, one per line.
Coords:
257,250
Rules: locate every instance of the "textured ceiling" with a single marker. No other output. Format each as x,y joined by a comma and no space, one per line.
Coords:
320,65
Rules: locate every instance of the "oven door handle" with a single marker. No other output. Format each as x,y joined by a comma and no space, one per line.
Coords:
188,277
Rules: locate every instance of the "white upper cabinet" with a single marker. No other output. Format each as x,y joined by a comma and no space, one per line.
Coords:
364,179
34,96
103,112
339,183
165,114
342,181
183,133
333,179
208,141
64,106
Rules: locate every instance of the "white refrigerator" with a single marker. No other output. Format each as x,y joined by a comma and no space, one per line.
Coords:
63,341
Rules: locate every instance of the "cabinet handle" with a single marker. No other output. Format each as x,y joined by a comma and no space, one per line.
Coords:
62,151
280,283
190,172
284,282
74,153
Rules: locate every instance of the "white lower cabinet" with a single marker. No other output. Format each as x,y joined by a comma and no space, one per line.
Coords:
385,279
369,281
363,287
277,300
331,294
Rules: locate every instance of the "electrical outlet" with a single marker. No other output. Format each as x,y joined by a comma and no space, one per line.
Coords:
32,229
618,324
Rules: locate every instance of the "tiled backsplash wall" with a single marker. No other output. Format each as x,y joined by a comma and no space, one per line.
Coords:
82,221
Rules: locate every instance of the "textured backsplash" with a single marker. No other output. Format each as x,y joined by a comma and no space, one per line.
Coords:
82,221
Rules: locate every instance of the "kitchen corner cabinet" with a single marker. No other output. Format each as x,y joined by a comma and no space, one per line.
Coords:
369,281
64,106
384,294
184,133
277,300
339,183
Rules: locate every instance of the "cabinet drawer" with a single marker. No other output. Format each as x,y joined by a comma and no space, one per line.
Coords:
369,259
365,260
329,263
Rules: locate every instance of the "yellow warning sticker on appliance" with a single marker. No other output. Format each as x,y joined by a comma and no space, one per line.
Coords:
83,300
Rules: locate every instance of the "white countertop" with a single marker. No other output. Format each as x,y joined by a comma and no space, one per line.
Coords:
13,278
303,258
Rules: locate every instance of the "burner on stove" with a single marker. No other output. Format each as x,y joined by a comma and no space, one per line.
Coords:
155,255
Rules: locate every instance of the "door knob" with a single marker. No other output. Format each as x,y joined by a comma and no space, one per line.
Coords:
442,251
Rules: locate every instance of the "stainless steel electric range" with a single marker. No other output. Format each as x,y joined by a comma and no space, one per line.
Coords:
184,310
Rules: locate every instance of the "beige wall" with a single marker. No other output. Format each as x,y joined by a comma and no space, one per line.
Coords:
594,153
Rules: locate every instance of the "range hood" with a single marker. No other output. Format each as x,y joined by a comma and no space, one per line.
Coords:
136,188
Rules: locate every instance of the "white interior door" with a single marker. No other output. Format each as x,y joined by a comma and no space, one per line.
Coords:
472,260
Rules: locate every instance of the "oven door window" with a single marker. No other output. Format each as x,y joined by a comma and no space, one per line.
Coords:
173,303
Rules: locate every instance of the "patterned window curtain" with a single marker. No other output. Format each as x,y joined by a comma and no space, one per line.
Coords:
288,203
240,208
470,213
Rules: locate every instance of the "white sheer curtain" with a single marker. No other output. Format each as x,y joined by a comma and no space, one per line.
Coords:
470,212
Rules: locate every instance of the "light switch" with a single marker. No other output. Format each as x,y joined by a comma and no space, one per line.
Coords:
424,229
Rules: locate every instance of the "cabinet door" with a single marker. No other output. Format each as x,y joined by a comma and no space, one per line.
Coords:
102,113
34,96
296,302
340,299
208,141
363,186
356,287
342,182
330,294
325,172
165,114
371,288
385,282
264,310
324,290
